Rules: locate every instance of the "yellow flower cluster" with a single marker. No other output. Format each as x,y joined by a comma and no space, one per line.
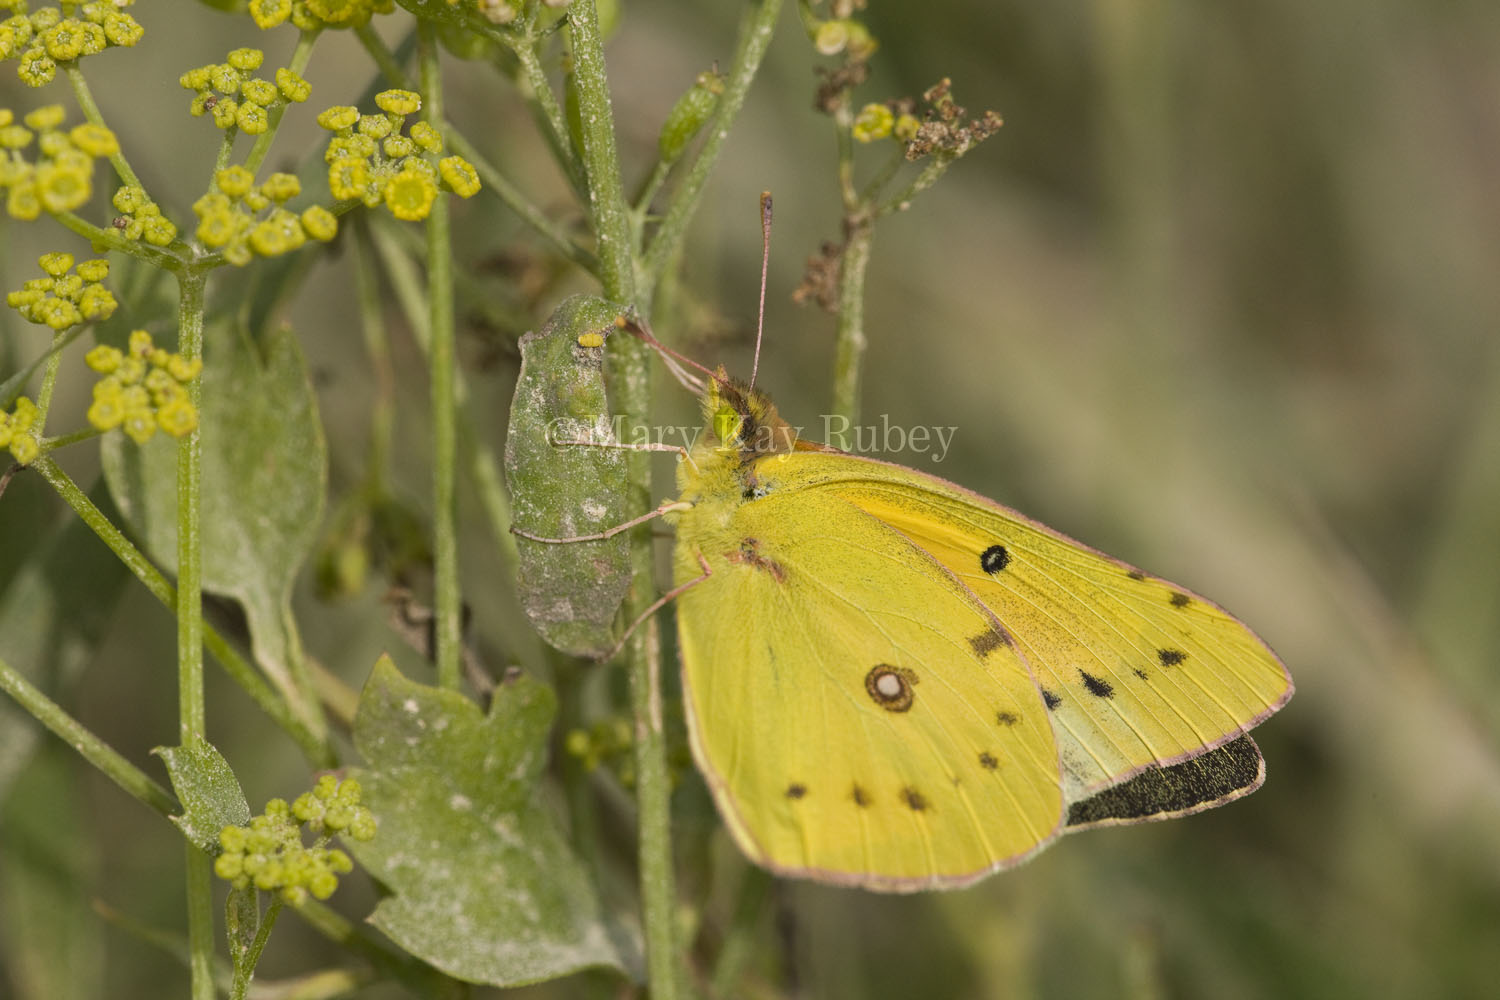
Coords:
18,431
59,299
144,389
41,39
877,121
236,98
140,218
62,177
311,15
268,852
230,216
371,161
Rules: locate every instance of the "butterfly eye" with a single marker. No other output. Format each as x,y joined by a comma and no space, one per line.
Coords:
727,425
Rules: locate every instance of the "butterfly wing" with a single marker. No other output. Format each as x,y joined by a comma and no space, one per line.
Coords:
1137,673
876,727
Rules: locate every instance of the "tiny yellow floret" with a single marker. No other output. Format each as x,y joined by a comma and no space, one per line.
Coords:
398,102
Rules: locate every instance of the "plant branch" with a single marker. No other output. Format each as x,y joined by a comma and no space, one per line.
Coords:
132,779
447,624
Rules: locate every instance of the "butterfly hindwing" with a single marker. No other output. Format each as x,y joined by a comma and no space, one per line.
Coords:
879,728
1137,673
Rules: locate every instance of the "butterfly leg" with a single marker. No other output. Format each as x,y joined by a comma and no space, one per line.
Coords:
657,605
665,508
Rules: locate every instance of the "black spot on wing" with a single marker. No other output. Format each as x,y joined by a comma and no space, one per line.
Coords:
1051,699
1179,600
1096,686
994,559
1170,657
860,796
1141,674
1136,574
796,790
1007,718
1158,792
987,761
914,799
988,641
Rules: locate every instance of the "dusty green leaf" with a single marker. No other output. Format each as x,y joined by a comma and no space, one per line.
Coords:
208,790
264,478
483,883
570,592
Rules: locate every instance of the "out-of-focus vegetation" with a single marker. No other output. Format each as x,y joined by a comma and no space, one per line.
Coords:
1221,298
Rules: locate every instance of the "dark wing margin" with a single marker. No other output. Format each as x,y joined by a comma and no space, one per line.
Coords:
1210,779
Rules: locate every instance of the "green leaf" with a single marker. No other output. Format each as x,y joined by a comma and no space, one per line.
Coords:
570,592
208,790
264,478
51,944
484,886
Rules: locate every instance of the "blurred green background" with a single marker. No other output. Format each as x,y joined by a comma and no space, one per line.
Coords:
1222,298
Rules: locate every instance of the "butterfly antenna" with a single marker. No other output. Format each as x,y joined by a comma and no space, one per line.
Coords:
669,357
765,260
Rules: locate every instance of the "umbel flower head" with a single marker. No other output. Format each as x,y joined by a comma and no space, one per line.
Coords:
244,219
61,176
19,429
313,15
144,389
371,161
64,297
43,39
269,854
235,97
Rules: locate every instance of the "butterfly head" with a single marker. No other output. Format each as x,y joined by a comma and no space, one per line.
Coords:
744,420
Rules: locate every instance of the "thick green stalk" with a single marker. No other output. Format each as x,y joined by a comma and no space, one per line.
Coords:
191,712
630,388
94,750
850,345
447,608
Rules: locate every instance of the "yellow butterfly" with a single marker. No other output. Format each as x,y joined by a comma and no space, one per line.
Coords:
894,683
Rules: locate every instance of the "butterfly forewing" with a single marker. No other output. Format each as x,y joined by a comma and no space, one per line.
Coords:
1136,672
879,728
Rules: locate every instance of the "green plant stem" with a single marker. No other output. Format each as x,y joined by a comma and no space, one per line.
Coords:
542,101
301,55
381,56
850,344
85,98
49,378
447,624
630,387
73,437
479,459
238,668
132,779
756,28
191,710
112,239
244,966
226,148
